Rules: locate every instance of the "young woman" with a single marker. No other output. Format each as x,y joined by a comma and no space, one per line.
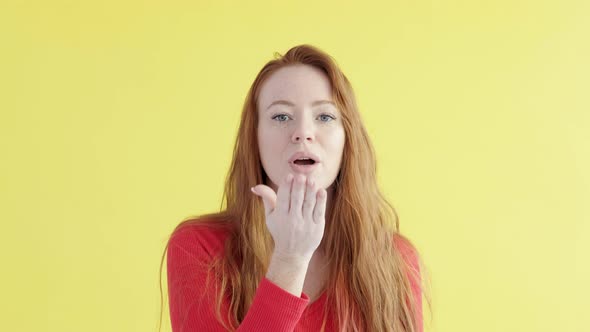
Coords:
306,241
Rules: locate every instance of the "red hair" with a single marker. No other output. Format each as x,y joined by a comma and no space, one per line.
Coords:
369,286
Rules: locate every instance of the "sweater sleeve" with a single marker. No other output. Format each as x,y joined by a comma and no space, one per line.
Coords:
192,302
410,255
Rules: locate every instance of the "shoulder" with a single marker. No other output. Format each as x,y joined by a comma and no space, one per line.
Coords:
410,255
407,250
199,237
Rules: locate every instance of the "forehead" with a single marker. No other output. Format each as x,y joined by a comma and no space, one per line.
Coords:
300,84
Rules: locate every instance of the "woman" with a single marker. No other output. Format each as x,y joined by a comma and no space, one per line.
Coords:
307,241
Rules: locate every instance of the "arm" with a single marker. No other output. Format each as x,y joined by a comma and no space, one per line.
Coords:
192,306
288,273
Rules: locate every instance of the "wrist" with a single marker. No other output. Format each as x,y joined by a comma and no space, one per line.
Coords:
290,260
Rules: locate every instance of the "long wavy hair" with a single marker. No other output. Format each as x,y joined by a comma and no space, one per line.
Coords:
368,285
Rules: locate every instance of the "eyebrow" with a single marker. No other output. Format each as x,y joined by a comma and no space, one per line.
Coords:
288,103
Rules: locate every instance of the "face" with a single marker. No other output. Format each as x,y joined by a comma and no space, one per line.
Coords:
296,113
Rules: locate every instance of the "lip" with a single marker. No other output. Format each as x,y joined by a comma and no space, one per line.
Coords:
304,154
305,169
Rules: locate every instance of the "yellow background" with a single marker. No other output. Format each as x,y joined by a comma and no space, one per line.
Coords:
118,119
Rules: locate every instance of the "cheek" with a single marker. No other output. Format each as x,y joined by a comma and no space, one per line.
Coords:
267,132
271,144
336,149
335,141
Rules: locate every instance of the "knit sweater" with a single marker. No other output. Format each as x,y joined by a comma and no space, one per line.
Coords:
192,303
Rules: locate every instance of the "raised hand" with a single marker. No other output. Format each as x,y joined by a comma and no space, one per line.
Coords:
295,216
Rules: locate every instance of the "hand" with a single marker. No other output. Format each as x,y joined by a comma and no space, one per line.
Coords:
295,217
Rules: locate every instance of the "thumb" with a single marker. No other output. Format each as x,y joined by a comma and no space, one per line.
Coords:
269,197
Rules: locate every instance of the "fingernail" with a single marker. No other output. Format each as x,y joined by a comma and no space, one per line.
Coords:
252,189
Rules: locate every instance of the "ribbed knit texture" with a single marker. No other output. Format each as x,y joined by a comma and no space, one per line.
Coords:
192,304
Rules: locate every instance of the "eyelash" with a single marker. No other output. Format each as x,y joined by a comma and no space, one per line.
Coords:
328,115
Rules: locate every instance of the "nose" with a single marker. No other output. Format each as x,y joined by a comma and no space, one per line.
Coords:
303,132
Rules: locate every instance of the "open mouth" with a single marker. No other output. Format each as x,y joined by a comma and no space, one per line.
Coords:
304,161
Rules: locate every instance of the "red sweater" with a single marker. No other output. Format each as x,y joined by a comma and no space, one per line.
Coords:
273,309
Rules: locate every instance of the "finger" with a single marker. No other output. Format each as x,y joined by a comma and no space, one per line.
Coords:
268,196
284,194
297,195
319,211
309,200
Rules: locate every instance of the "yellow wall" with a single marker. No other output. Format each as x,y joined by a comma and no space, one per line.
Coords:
117,120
